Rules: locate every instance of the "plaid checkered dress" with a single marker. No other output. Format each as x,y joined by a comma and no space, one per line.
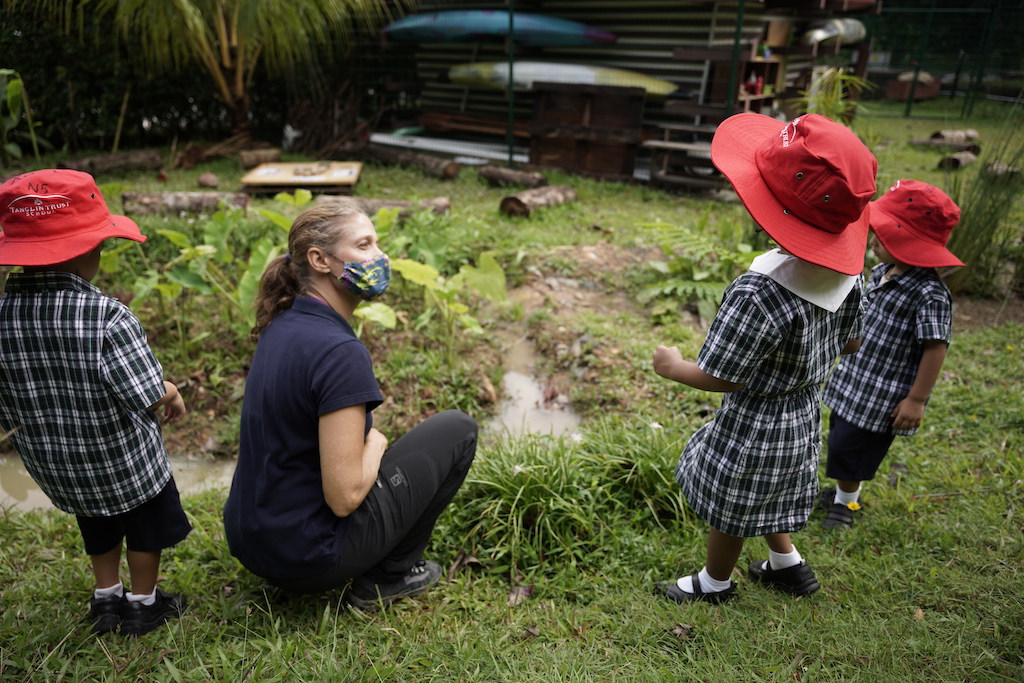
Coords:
76,378
752,470
901,314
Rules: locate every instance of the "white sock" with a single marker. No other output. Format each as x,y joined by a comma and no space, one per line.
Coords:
844,498
777,561
110,591
146,600
708,584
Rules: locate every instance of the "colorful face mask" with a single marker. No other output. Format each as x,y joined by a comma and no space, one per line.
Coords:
368,279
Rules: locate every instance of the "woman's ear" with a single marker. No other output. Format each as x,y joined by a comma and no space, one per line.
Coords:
318,260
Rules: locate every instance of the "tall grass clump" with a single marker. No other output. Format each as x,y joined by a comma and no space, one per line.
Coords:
538,504
989,198
832,94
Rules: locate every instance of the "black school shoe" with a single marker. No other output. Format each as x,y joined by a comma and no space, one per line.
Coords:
367,595
140,619
105,613
672,591
796,580
837,515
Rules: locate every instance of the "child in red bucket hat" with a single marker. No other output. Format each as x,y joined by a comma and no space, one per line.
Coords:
882,391
80,390
752,470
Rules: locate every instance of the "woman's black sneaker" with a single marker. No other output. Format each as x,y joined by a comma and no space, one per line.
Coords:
139,618
367,595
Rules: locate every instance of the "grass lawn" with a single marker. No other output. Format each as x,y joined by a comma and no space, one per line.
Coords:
553,544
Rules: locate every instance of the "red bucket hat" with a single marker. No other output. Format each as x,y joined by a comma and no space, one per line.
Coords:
913,221
54,215
807,183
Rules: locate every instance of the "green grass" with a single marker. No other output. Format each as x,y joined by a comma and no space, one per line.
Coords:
926,586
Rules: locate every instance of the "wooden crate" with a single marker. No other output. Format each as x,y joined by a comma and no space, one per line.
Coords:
334,177
592,130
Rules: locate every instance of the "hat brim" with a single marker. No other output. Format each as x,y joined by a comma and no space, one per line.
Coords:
905,246
58,250
733,148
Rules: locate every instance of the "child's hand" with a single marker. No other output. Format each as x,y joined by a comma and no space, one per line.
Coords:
665,359
907,414
172,404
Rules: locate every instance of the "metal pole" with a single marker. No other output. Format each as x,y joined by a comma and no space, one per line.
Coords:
510,135
917,62
730,98
986,50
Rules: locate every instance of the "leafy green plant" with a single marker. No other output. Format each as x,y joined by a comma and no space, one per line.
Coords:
442,295
697,269
13,105
831,94
987,236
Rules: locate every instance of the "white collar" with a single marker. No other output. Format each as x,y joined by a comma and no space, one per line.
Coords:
822,287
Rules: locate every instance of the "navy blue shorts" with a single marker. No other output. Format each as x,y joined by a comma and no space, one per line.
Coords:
158,523
854,454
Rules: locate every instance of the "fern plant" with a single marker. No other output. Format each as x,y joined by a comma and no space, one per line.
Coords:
697,269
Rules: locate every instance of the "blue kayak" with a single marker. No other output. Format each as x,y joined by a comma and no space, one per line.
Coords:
472,25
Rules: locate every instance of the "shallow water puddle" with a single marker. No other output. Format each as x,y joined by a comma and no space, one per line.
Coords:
191,475
524,409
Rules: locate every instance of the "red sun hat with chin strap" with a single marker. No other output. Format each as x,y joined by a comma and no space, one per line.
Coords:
54,215
807,183
913,221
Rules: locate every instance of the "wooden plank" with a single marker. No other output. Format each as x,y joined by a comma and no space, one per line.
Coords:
677,146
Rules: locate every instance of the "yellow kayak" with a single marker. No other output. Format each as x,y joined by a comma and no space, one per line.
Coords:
526,73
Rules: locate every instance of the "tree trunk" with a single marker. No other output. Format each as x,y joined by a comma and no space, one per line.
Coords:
523,203
973,147
439,205
177,202
250,158
439,167
497,176
135,160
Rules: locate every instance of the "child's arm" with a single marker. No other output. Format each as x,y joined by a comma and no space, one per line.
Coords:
852,346
172,403
669,363
908,413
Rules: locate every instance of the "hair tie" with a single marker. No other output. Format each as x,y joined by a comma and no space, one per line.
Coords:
288,257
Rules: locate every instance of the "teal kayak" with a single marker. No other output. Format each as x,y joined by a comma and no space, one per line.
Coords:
472,25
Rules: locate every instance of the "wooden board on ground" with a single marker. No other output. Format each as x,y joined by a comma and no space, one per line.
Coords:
334,177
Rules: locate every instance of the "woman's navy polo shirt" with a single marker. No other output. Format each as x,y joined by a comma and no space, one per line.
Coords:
308,363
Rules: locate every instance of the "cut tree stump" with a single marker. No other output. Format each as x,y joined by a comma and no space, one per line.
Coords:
498,176
439,167
439,205
525,202
958,160
134,160
139,203
959,135
251,158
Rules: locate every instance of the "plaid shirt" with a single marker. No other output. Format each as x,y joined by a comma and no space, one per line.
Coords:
753,469
901,314
76,378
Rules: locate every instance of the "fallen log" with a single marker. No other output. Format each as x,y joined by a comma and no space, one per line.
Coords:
134,160
251,158
972,147
1001,172
960,135
525,202
439,167
438,205
498,176
958,160
181,202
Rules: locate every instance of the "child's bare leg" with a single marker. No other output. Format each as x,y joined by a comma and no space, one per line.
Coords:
779,543
848,486
106,568
144,567
723,552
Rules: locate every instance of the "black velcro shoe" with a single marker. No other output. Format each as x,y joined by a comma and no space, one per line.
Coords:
672,591
796,580
139,618
367,595
839,516
105,614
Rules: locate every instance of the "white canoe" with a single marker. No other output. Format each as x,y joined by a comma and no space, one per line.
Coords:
526,73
